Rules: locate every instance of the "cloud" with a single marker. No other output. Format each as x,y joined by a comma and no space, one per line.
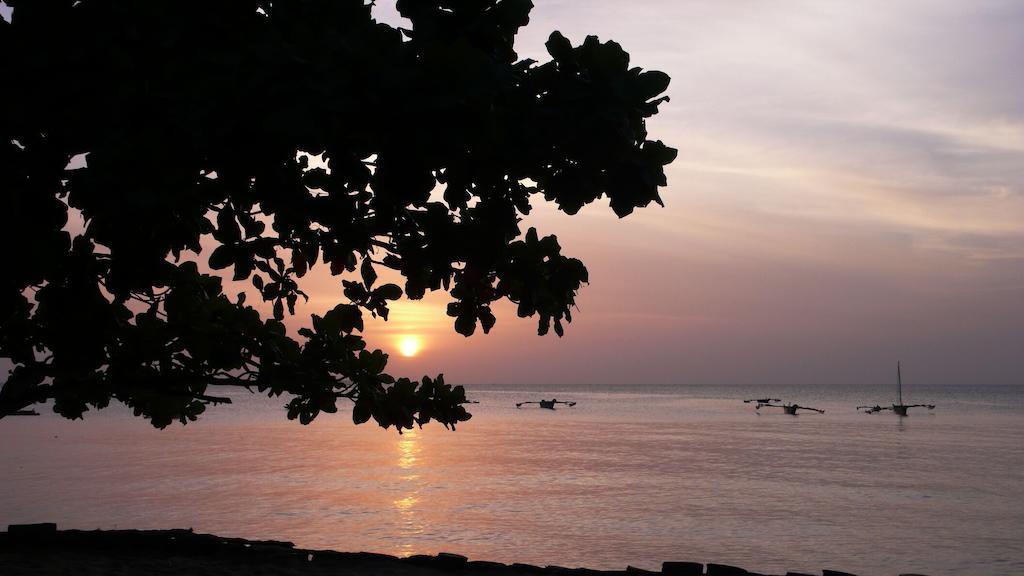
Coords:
850,186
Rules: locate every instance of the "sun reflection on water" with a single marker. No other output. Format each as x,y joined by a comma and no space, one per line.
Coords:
408,453
405,504
409,461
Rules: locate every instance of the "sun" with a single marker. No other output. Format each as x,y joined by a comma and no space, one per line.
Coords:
409,345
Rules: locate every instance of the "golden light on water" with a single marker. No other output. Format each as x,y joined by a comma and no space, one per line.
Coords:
408,449
406,506
409,345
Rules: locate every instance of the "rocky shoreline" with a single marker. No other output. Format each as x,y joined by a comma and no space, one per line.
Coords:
42,549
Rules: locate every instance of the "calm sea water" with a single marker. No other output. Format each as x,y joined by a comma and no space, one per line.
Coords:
631,475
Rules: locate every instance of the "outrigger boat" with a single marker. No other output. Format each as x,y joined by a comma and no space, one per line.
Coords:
762,400
787,408
899,408
549,404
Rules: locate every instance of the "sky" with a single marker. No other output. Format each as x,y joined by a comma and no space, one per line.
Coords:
849,192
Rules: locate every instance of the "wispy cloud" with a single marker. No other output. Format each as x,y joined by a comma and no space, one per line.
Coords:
850,185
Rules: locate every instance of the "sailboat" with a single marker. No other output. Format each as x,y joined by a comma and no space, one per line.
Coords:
899,407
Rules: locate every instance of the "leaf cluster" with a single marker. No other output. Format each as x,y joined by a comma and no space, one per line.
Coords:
197,122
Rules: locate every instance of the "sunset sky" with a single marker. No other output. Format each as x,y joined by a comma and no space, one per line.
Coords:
849,191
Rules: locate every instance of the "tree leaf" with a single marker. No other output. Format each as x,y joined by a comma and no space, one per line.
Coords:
367,272
388,292
222,257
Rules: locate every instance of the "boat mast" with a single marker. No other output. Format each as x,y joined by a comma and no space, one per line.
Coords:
899,385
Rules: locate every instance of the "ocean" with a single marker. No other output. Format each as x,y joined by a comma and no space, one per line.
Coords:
632,475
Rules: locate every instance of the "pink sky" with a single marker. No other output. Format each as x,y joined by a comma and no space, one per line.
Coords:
848,193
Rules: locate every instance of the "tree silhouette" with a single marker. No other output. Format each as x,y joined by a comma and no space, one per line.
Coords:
196,121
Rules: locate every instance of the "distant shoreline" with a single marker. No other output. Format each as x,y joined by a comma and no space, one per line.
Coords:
41,549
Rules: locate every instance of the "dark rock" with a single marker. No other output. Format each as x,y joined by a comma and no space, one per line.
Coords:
32,529
682,568
835,573
635,570
272,549
485,565
32,533
419,560
278,543
449,561
333,558
371,556
278,556
527,567
725,570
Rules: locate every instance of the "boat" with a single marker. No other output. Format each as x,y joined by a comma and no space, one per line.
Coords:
761,400
788,408
899,407
548,404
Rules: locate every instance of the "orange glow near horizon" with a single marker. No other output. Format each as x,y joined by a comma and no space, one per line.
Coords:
845,216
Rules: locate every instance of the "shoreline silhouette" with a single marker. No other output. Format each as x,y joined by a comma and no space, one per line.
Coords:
42,549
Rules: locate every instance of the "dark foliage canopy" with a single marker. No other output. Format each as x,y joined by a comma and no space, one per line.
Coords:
197,120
